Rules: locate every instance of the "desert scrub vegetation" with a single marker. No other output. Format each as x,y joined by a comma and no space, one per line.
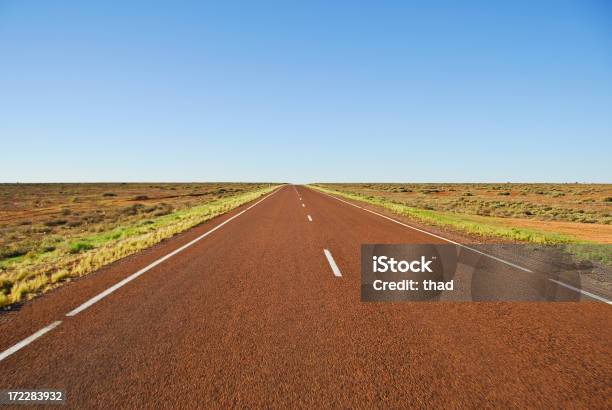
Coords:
479,215
63,238
579,203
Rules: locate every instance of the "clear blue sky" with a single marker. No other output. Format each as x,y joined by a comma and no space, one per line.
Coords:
306,91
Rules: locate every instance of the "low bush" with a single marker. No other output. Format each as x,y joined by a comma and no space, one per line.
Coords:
56,222
78,247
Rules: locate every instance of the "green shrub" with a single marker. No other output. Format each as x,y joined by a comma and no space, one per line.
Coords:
78,247
14,251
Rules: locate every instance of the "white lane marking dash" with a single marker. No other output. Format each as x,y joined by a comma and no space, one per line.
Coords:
332,263
28,340
310,218
303,206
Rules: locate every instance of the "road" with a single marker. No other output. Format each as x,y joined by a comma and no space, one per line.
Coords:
253,315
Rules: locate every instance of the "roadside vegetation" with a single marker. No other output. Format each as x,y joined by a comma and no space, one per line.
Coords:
577,215
50,233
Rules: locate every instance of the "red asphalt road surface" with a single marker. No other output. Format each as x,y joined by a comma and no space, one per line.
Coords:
253,316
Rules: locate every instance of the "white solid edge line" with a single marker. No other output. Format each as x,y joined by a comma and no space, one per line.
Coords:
133,276
592,295
589,294
332,263
309,218
28,340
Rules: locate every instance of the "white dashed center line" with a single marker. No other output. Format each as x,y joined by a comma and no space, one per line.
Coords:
332,263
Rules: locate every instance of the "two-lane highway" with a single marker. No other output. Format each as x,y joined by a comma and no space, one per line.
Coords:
265,311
